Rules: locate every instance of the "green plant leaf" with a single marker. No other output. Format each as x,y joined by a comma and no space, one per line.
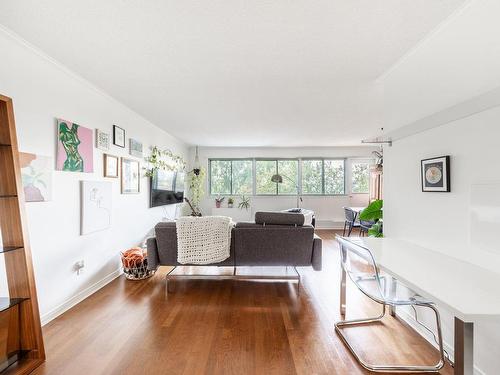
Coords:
373,211
376,230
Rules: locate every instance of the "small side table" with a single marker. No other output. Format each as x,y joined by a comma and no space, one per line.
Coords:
309,216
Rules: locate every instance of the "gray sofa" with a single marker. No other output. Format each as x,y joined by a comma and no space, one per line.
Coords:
275,239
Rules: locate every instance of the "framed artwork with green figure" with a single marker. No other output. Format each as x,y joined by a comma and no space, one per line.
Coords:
74,147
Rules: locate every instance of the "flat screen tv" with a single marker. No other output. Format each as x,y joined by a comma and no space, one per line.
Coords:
167,187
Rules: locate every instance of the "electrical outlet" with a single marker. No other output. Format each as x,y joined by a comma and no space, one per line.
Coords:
79,266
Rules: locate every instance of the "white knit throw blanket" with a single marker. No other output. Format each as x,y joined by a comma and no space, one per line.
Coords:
203,240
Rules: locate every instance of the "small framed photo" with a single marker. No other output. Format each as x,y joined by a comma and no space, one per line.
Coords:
135,148
118,136
436,174
102,140
131,176
111,166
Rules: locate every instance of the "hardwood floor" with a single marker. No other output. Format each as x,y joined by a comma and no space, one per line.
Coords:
225,327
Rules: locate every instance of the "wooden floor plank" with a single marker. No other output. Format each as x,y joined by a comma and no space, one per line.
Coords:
225,327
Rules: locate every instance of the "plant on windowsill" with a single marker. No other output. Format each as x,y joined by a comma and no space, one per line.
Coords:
230,202
374,212
218,201
244,203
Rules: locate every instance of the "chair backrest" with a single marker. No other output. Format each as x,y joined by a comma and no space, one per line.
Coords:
350,215
359,263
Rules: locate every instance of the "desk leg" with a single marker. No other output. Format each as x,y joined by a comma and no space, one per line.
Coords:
464,348
392,309
342,292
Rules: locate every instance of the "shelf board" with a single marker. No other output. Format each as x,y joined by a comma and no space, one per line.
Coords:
4,145
8,196
12,358
6,303
6,249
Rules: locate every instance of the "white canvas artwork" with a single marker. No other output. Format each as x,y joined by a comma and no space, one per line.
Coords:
95,206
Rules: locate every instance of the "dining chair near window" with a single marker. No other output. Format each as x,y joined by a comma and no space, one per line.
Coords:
364,226
359,263
350,220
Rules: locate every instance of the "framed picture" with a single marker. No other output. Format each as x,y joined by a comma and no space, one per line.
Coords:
135,148
36,175
95,206
75,147
131,177
102,140
118,136
436,174
111,166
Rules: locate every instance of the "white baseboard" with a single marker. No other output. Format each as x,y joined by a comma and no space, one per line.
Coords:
408,318
79,297
329,224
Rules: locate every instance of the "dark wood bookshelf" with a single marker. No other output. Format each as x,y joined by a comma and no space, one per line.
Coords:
21,349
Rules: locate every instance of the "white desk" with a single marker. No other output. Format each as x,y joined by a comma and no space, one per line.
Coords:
468,291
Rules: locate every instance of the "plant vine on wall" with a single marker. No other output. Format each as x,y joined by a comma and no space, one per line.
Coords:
164,160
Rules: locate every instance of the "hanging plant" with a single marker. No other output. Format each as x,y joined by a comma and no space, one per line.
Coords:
195,180
163,160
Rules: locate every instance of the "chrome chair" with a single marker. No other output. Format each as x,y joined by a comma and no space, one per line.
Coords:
359,264
350,220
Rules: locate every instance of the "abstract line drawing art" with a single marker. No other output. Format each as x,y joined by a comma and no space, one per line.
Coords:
74,148
95,206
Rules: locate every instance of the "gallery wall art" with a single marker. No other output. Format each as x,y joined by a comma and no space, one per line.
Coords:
135,148
74,148
436,174
118,136
111,166
36,174
102,140
95,206
131,177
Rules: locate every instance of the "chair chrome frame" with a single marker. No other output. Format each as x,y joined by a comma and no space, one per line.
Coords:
392,304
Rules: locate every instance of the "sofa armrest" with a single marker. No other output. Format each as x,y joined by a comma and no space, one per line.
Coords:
153,259
317,253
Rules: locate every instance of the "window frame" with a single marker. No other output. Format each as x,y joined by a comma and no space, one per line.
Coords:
359,161
347,175
276,160
323,194
209,179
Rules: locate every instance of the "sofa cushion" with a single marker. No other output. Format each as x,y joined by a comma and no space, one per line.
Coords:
279,218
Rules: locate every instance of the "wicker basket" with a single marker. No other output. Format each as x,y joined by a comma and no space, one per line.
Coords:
138,270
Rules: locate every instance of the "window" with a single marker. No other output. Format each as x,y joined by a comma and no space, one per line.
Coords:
312,177
334,177
289,170
323,177
264,171
360,177
231,177
318,176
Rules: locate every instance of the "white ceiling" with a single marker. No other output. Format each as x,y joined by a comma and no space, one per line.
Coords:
236,72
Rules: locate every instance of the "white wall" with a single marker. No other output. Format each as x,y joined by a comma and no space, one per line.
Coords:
328,209
43,90
463,223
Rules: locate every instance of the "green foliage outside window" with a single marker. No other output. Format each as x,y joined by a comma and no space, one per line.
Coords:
360,177
264,170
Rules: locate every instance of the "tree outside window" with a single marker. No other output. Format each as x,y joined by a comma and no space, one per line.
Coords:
360,177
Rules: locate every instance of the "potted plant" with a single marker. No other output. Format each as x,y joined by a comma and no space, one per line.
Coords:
230,202
374,212
245,203
218,201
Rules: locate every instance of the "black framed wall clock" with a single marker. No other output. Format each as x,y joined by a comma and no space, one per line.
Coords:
436,174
